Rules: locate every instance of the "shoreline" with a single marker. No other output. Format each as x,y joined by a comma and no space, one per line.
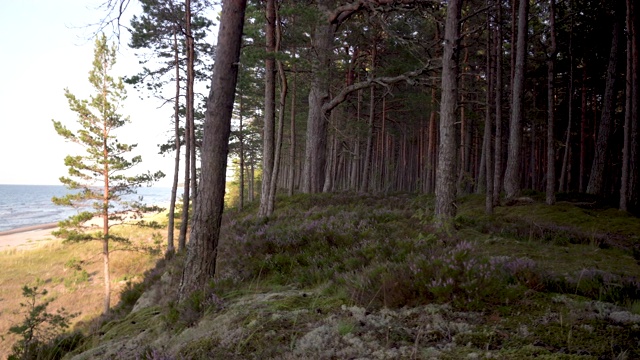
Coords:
23,229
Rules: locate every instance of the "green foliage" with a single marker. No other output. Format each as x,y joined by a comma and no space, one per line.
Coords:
104,161
40,331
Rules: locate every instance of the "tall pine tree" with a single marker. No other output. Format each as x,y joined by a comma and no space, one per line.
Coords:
98,177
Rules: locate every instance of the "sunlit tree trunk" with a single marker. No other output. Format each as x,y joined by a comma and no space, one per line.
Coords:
176,168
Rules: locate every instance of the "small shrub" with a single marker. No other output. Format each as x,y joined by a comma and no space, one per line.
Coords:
39,333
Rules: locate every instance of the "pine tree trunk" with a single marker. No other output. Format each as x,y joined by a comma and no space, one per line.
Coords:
634,168
432,153
445,175
497,174
551,154
565,172
512,174
176,169
268,133
316,141
628,113
241,141
292,132
486,141
271,201
366,172
596,179
583,130
184,219
190,105
200,264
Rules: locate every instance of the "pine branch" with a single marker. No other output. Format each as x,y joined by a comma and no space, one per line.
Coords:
383,80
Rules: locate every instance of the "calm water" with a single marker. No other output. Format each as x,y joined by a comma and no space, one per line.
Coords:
26,205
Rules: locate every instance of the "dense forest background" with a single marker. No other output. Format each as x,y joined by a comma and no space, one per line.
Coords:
384,96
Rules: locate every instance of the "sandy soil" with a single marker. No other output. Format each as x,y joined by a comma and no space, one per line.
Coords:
26,237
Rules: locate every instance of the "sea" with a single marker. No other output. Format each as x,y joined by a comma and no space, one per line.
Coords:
29,205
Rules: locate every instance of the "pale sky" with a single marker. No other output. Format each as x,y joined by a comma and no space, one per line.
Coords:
45,47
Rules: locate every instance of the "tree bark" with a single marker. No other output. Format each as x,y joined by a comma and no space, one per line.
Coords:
497,175
551,152
628,113
241,141
512,174
565,176
271,201
191,104
268,131
200,265
583,130
486,142
176,169
445,174
596,179
315,151
292,132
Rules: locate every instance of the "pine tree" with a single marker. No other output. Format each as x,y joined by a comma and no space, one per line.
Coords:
98,177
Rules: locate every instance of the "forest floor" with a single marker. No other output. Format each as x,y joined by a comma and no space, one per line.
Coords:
347,276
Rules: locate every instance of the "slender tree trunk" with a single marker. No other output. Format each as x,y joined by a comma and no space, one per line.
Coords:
445,175
268,133
105,196
583,130
190,105
628,113
283,102
189,133
252,179
292,131
512,174
364,185
486,142
565,176
200,264
497,175
176,169
184,220
241,140
432,145
634,169
551,153
596,179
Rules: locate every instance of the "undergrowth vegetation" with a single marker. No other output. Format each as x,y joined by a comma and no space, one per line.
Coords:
354,276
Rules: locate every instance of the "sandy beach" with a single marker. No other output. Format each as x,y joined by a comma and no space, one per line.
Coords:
26,237
30,236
